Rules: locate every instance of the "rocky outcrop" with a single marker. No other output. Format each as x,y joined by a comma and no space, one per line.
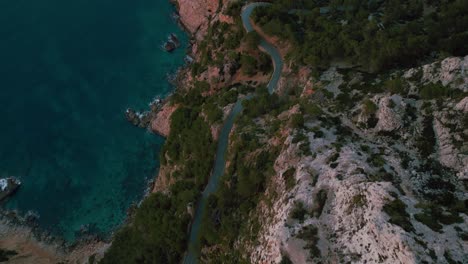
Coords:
357,177
451,71
161,123
449,155
139,119
462,105
164,180
389,118
195,15
34,246
8,186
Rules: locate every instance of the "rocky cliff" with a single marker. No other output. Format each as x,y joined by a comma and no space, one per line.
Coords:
376,173
195,15
373,193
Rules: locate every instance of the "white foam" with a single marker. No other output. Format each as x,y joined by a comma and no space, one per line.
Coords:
3,184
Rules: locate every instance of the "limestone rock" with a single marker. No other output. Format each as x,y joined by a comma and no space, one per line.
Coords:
195,15
161,123
389,119
462,105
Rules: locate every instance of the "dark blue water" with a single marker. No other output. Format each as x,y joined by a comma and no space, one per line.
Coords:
68,71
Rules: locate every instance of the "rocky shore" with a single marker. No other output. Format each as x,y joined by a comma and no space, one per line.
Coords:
8,186
21,233
31,244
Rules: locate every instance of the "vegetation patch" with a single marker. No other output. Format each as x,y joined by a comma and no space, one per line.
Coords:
289,179
298,212
434,91
158,230
434,216
358,201
396,209
310,235
320,200
373,35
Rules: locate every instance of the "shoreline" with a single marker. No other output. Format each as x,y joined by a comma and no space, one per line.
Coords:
37,245
34,244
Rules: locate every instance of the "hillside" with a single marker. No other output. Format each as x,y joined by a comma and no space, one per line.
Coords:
357,154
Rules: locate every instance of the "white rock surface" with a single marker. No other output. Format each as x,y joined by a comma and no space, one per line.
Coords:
462,105
389,119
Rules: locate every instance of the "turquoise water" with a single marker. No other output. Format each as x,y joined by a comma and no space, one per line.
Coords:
68,71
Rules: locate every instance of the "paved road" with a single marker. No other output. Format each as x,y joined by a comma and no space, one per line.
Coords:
220,161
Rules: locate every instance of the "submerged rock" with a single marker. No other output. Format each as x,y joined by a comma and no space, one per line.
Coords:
8,186
138,119
169,46
172,43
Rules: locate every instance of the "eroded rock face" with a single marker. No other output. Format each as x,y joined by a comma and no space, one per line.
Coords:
365,174
389,118
195,14
161,123
448,154
462,105
451,71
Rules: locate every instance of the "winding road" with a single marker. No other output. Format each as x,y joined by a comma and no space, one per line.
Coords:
220,161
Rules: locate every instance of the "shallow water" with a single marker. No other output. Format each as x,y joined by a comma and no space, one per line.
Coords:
68,71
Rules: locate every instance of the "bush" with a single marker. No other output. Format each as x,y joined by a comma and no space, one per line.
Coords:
252,39
409,34
320,200
249,64
313,110
190,142
213,113
298,212
310,235
285,260
369,107
396,209
395,86
158,233
434,91
289,178
297,121
428,221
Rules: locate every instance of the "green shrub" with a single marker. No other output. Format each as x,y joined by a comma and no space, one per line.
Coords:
434,91
297,121
285,260
158,231
289,178
395,86
298,212
310,235
369,107
311,109
249,64
428,221
320,200
213,113
358,201
396,209
252,39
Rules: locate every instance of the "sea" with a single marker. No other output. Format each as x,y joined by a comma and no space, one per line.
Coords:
68,72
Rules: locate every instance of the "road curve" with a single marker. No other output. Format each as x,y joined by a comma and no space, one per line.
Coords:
223,141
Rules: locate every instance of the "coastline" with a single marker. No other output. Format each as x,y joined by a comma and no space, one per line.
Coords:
160,121
36,245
